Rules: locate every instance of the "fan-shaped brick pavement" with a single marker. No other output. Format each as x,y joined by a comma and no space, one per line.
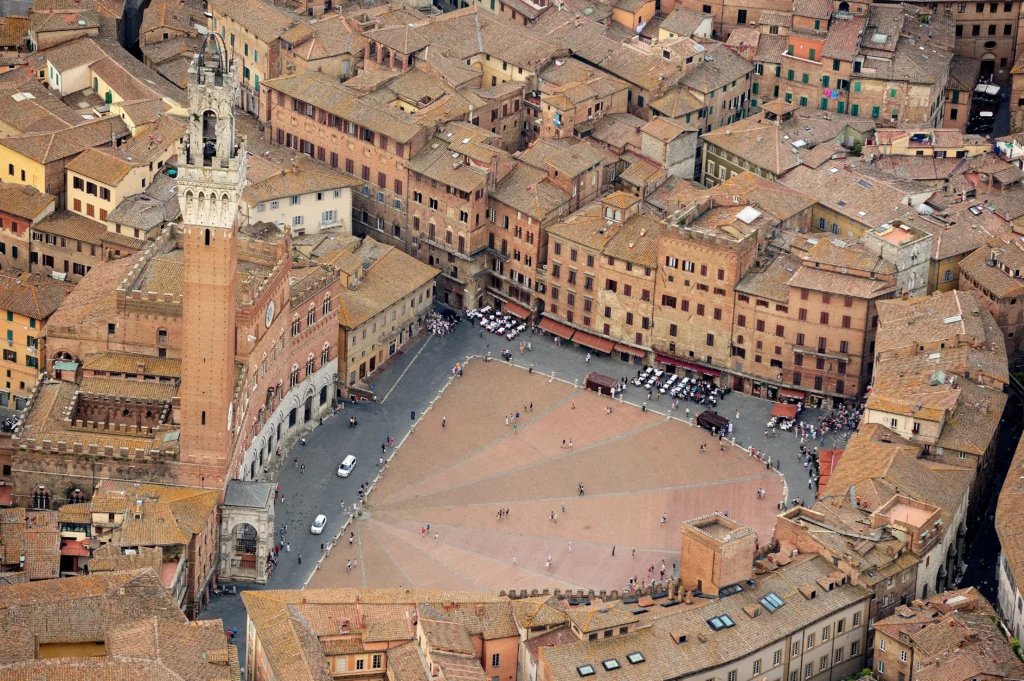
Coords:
635,466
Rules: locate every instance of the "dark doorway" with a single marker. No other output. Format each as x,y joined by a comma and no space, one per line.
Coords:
308,412
291,418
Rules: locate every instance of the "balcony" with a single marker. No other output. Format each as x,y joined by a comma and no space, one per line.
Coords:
820,352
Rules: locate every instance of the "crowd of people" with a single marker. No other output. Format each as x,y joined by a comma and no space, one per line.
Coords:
440,324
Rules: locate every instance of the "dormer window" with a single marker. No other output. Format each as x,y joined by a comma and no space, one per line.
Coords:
585,670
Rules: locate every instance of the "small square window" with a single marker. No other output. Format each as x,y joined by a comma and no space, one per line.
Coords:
635,658
585,670
609,665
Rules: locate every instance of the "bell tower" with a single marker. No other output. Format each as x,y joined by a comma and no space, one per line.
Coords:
211,175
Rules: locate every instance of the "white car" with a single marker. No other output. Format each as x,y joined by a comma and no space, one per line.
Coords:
319,523
345,469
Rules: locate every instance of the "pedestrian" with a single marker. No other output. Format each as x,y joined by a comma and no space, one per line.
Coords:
570,547
348,566
435,536
444,421
563,507
288,547
570,443
303,467
613,551
515,428
552,515
634,553
531,406
664,517
506,421
380,463
300,559
351,538
547,564
321,547
588,357
513,561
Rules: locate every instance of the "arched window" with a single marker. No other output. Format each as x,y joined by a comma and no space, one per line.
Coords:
326,307
41,498
207,237
310,364
295,375
311,315
295,325
204,418
325,354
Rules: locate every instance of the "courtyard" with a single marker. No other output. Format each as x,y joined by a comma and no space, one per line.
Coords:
636,467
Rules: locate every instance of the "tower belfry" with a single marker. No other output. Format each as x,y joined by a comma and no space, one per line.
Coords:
211,175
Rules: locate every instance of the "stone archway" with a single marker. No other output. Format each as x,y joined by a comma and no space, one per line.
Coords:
246,531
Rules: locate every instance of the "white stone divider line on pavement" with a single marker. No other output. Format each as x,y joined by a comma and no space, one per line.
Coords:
409,366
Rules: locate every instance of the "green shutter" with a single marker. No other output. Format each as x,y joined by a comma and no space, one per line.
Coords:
789,97
789,50
874,112
805,78
824,81
824,103
812,50
789,74
856,86
257,84
854,109
840,107
892,93
803,101
754,88
835,64
817,24
895,113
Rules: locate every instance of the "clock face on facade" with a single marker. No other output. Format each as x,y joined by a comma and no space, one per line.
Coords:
269,319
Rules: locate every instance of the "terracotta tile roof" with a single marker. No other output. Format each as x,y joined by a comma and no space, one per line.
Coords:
13,32
266,21
31,295
529,190
150,210
188,509
331,36
837,283
815,9
991,278
708,649
677,103
294,182
570,157
772,281
406,664
72,226
869,200
446,636
953,317
83,608
389,278
54,146
327,94
770,48
684,22
843,38
129,363
108,558
723,68
23,201
172,14
538,611
877,463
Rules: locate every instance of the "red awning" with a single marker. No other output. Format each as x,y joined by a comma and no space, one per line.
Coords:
636,352
516,309
785,411
557,328
592,341
665,359
795,394
72,547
